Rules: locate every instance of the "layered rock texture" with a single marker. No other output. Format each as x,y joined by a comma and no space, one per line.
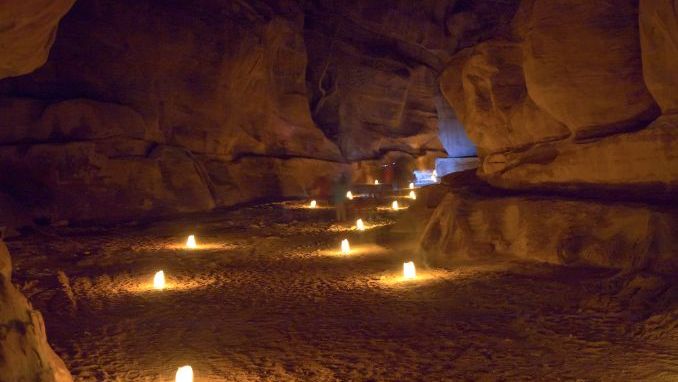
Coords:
27,32
576,104
577,96
25,354
476,221
148,108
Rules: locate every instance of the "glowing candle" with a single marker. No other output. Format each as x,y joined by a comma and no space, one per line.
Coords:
412,195
313,204
184,374
360,225
159,280
376,181
409,272
434,176
349,195
190,242
394,205
345,247
411,185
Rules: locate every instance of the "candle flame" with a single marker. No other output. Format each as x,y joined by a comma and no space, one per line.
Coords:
411,185
409,272
345,247
349,195
190,242
376,181
412,195
184,374
394,205
434,176
313,204
360,225
159,280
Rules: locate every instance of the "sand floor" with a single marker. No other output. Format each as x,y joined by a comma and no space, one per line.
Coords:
269,298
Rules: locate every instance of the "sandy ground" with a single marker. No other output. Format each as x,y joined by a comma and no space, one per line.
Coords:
269,298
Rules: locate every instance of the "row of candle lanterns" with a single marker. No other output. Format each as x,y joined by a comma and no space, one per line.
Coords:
349,195
185,373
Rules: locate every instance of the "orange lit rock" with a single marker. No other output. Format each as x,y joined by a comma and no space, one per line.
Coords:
28,30
659,48
560,101
583,64
472,224
25,354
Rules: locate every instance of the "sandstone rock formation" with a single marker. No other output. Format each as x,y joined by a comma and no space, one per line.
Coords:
576,100
147,108
27,31
659,48
25,354
560,102
473,221
373,68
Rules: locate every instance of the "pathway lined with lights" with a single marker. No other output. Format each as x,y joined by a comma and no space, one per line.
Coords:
269,293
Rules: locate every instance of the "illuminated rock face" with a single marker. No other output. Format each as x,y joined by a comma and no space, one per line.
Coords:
373,67
659,50
146,108
27,31
572,97
477,223
25,354
184,111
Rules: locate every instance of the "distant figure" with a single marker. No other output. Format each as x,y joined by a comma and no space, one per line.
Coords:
403,170
341,187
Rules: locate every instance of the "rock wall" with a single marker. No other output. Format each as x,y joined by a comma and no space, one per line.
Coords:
576,96
27,32
373,70
25,354
146,108
561,230
573,110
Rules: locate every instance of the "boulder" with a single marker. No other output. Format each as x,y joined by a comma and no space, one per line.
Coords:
552,229
659,48
25,354
27,30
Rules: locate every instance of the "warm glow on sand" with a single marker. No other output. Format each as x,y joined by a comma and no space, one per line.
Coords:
313,204
359,225
190,242
411,185
376,182
159,280
394,205
412,195
345,247
349,195
409,272
184,374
